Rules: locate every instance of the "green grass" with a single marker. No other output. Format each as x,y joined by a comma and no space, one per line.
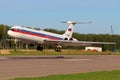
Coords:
52,52
105,75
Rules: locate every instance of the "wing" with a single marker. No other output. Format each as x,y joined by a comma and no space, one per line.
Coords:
75,43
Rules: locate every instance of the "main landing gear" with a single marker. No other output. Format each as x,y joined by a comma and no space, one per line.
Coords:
58,48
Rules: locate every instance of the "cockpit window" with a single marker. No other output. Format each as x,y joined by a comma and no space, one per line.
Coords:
12,29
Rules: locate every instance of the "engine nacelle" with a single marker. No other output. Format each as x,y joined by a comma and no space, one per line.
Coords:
73,39
66,39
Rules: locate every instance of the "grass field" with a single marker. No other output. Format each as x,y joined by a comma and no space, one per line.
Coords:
52,52
105,75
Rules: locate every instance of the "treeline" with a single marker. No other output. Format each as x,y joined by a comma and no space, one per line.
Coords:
80,37
3,31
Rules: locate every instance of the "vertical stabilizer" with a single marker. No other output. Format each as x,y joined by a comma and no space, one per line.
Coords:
69,31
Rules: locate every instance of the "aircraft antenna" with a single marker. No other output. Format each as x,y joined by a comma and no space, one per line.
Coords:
111,30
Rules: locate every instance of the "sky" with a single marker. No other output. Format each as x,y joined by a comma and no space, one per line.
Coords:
49,13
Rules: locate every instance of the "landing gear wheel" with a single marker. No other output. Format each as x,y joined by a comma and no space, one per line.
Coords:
58,48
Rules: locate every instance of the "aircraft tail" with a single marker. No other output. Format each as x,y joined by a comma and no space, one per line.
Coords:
69,31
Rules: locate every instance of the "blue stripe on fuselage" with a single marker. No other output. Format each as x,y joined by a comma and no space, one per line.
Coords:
39,34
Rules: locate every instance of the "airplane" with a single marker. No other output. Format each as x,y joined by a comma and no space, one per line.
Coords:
47,38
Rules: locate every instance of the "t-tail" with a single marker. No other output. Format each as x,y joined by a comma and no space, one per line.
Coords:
69,31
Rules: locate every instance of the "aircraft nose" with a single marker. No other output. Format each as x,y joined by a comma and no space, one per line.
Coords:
9,32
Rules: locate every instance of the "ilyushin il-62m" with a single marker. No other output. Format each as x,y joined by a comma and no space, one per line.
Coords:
52,39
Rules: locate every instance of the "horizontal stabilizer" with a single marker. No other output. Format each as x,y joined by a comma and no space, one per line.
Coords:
72,22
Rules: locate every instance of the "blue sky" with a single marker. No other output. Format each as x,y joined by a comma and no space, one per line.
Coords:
49,14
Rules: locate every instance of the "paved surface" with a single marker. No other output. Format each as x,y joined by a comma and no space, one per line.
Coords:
34,66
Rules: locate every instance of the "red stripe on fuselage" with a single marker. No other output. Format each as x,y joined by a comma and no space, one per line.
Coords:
38,35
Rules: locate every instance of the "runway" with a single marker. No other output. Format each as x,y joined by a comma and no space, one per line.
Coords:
34,66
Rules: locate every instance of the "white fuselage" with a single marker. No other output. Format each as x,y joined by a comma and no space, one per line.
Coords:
33,35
